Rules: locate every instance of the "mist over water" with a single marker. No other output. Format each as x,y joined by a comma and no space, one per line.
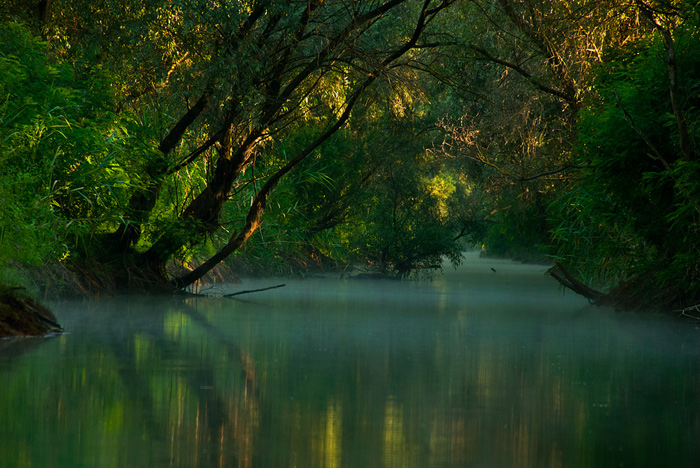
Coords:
476,368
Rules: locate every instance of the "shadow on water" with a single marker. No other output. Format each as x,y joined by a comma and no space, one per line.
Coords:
477,368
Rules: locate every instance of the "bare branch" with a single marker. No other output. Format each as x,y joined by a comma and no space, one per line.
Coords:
248,291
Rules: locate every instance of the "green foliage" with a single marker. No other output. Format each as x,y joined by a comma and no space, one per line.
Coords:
84,165
406,224
370,195
67,161
35,108
520,230
636,209
92,111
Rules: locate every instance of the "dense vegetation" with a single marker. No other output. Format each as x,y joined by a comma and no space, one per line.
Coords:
144,143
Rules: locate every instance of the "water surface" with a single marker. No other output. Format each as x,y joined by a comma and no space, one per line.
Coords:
473,369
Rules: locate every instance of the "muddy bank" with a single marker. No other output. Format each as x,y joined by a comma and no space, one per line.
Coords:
20,315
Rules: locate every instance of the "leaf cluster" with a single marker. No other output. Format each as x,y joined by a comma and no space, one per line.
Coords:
65,159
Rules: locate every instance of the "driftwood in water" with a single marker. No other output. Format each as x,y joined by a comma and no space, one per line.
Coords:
22,315
253,290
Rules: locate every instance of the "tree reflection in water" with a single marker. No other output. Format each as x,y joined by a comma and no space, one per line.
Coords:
330,373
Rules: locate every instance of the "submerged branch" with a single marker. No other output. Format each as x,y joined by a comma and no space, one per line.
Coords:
248,291
686,312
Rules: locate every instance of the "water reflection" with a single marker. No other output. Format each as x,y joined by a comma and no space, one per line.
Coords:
477,369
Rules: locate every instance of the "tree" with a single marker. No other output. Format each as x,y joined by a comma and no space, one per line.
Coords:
376,193
209,86
632,219
526,70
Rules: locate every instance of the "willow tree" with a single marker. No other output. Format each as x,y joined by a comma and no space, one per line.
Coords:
528,68
209,84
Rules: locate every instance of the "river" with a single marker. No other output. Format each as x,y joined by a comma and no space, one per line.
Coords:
476,368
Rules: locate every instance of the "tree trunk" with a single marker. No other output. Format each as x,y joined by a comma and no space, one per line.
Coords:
44,15
645,293
671,67
290,77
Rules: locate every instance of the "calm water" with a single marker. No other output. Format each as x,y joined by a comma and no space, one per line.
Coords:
473,369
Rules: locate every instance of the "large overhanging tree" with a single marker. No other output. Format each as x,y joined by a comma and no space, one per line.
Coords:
231,77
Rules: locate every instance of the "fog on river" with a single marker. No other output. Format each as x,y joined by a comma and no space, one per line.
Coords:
476,368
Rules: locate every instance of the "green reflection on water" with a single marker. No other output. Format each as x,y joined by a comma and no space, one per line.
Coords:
469,370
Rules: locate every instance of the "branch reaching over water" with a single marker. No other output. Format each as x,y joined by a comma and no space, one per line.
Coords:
561,274
248,291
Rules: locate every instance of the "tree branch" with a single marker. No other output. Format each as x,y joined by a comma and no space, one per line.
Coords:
527,75
548,173
175,135
248,291
257,208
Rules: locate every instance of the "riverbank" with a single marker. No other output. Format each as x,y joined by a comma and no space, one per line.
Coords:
20,315
78,280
